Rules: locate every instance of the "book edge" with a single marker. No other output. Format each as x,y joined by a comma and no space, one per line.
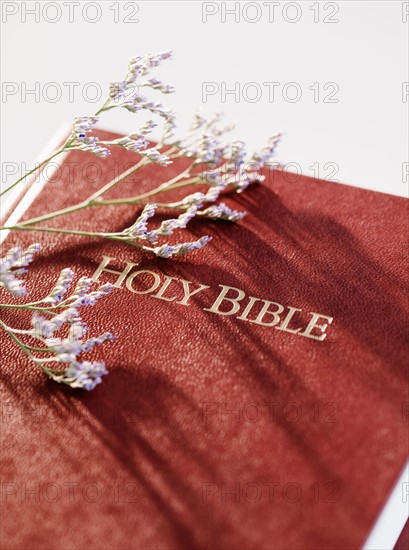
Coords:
20,199
392,518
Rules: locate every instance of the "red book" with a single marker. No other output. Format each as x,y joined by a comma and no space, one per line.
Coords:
269,409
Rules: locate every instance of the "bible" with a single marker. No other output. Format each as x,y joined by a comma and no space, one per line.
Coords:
257,394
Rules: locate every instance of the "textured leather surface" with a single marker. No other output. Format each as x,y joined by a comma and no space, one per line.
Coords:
148,458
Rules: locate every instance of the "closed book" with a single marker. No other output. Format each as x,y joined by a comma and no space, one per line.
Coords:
258,388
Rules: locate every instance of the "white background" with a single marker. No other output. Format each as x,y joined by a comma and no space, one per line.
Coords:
359,47
364,134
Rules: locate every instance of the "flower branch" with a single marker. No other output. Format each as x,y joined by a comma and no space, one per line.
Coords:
55,340
57,330
220,166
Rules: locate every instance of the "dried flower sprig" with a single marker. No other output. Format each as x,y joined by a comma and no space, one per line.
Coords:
216,164
57,332
13,265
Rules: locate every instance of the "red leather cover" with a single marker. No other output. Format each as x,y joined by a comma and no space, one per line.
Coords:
403,541
211,431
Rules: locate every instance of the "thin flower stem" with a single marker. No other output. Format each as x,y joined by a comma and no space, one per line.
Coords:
31,348
105,107
24,305
28,307
122,176
109,236
31,171
17,331
54,214
17,340
169,186
44,359
94,200
27,350
161,189
116,180
58,230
